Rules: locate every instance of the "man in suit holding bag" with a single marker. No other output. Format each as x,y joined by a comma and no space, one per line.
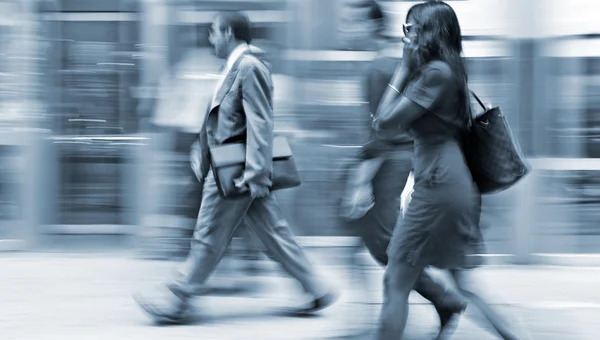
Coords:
241,112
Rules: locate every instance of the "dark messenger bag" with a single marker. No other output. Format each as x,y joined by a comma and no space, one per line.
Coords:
228,162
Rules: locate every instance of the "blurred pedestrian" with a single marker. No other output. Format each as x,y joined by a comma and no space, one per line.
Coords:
372,201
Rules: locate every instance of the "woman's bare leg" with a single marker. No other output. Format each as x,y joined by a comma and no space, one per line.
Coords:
398,281
469,284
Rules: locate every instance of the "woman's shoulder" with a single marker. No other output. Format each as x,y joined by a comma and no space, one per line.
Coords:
437,70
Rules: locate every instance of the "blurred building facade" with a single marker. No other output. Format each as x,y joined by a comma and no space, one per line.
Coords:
80,92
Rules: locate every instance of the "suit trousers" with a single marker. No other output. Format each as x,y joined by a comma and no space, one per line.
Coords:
217,222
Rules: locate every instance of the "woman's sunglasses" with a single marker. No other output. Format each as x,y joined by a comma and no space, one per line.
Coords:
407,28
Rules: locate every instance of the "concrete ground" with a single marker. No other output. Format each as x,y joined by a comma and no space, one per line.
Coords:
89,297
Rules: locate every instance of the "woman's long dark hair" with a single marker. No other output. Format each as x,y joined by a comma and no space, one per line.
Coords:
439,38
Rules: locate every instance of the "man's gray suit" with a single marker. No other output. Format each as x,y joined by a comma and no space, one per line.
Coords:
241,112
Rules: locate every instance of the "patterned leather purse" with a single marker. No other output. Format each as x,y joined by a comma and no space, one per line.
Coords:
492,152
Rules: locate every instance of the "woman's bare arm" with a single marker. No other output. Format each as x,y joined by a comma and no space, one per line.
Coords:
399,114
415,99
398,82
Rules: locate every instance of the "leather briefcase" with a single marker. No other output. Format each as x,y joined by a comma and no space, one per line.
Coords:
228,162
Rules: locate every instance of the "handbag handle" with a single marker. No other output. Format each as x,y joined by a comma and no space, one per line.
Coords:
471,115
468,102
478,100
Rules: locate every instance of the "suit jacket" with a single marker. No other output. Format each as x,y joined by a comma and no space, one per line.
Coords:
378,75
242,111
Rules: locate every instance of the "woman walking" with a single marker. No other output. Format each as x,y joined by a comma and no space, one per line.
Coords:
428,95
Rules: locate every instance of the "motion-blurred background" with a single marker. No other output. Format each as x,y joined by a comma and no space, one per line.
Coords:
100,101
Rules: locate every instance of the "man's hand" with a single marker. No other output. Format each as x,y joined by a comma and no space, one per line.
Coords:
357,202
256,191
196,160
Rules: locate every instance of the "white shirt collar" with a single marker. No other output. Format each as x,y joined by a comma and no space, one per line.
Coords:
235,55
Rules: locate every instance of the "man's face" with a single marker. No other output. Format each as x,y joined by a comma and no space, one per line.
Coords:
219,39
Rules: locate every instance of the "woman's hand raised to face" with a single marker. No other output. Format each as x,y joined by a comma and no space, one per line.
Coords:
408,52
403,69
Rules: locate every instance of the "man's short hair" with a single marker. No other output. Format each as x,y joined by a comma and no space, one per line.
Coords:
238,22
376,14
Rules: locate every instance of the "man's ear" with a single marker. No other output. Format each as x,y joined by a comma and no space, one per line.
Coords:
229,34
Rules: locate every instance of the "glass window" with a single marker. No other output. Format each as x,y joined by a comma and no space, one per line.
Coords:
90,70
11,184
571,125
568,188
93,69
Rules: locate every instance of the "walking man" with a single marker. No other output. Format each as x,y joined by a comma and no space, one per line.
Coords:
241,111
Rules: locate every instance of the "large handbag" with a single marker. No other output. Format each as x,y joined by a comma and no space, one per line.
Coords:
492,152
228,162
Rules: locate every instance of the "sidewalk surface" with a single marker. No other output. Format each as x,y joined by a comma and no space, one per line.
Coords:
87,297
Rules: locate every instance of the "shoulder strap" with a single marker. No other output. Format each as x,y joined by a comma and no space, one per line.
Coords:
468,94
473,115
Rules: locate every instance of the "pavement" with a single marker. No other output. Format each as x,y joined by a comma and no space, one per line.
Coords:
54,296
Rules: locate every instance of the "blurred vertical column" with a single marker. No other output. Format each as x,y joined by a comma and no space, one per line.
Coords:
154,54
43,33
525,33
153,58
153,40
33,50
19,122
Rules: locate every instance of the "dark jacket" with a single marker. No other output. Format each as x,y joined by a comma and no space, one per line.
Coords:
377,77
